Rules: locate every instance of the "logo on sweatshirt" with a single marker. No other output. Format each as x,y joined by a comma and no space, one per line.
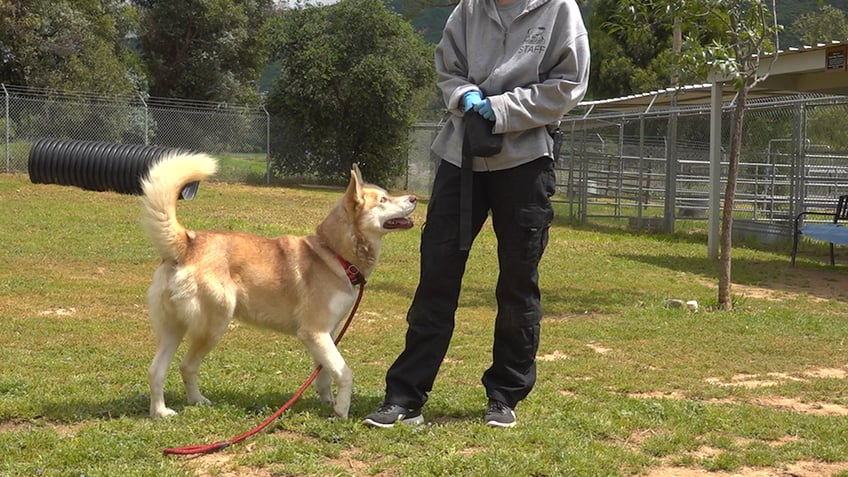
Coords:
534,42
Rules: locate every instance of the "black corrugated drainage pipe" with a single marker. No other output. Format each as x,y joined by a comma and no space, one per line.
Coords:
97,166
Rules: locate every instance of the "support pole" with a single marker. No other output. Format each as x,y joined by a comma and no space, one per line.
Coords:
715,171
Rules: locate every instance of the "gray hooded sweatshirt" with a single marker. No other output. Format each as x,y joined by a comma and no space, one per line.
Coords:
533,72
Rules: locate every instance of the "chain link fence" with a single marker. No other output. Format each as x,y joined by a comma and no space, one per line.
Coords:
651,169
237,134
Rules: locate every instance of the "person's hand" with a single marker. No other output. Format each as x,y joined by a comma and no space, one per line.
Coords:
470,99
484,108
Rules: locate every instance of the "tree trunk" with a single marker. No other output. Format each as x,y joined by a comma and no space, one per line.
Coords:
725,301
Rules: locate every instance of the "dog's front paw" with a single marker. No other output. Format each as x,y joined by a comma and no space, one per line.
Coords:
341,412
162,413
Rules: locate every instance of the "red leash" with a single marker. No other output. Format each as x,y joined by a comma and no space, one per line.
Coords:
356,278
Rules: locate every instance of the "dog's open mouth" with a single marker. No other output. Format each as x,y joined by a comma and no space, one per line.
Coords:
401,223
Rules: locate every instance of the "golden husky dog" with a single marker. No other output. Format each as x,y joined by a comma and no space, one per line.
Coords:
294,285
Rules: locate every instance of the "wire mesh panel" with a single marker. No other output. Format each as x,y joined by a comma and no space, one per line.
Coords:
824,160
644,165
238,135
617,165
5,133
769,146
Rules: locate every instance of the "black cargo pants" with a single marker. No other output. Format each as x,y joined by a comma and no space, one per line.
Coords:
519,201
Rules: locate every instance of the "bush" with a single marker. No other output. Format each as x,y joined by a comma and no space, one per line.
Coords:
352,75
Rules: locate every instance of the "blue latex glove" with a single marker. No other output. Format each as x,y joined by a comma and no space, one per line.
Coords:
470,99
484,108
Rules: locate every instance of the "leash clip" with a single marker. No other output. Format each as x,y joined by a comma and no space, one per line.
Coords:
352,272
354,275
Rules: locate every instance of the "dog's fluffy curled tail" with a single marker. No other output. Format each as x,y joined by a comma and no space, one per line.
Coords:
161,190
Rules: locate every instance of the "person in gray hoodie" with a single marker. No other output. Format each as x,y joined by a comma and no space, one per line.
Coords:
521,65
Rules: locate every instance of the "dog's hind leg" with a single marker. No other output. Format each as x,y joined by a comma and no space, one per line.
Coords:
200,345
169,335
325,353
202,339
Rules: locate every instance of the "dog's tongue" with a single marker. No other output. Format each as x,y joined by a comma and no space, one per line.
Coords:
402,223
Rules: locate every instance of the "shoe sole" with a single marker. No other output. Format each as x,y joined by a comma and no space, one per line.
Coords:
503,425
411,421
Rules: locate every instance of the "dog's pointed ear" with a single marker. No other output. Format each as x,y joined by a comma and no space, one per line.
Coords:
356,175
354,188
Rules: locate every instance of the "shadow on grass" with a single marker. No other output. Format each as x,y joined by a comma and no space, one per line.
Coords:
261,405
65,410
811,276
583,301
822,282
255,407
572,299
688,231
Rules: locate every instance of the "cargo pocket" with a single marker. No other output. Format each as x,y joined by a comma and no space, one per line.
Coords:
534,222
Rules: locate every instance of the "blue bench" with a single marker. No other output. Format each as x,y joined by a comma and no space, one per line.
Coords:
833,232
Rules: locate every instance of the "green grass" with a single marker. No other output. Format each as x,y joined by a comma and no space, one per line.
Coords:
626,386
249,168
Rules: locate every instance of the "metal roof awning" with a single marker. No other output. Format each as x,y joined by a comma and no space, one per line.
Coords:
821,69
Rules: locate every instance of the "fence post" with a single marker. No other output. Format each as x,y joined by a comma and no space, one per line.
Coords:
671,169
643,190
716,111
798,183
7,130
144,104
267,146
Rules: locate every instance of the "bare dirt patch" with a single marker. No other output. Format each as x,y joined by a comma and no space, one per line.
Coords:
64,430
828,373
794,282
676,395
781,402
218,465
59,311
13,426
794,405
772,379
599,349
554,356
796,469
350,463
774,402
754,380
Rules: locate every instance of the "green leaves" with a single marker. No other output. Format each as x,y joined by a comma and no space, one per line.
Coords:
725,37
352,75
828,23
208,50
66,44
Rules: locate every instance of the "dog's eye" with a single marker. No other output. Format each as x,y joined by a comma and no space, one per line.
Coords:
384,199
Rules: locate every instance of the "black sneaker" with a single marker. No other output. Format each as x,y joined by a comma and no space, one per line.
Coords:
389,414
499,415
